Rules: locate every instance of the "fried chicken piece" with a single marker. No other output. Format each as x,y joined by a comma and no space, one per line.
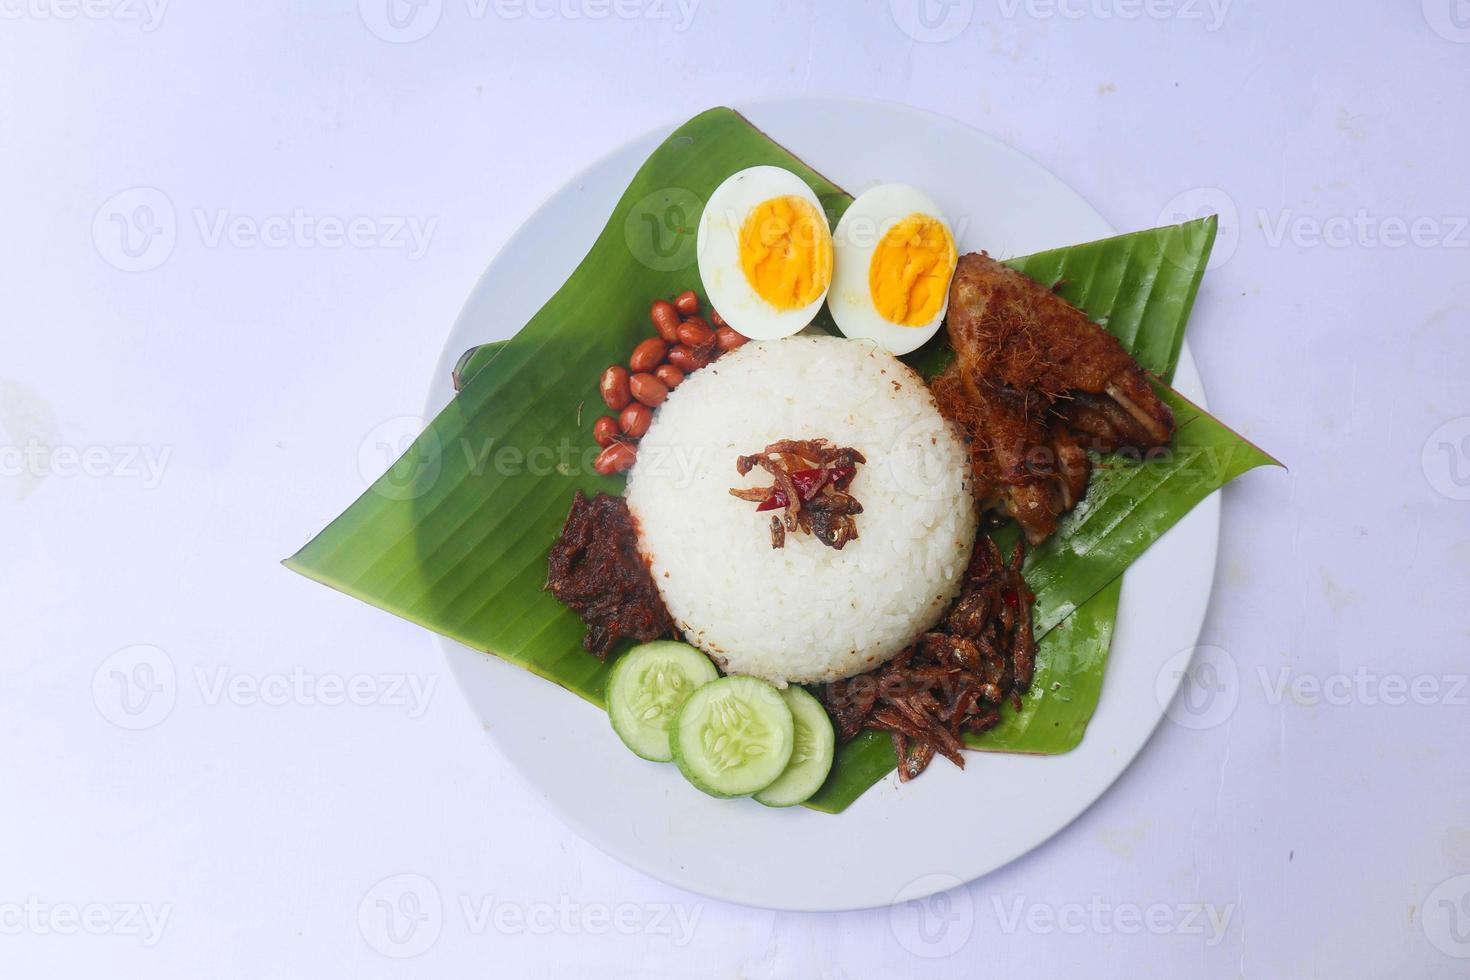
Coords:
1034,385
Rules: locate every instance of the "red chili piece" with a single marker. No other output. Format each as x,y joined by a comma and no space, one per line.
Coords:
776,501
807,483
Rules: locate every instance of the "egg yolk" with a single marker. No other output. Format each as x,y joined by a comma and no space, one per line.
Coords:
786,252
910,270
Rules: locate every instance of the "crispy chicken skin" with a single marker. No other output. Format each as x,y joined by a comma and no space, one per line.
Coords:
1035,384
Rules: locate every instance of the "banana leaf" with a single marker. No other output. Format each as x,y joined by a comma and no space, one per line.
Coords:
454,536
1076,575
1070,666
1141,287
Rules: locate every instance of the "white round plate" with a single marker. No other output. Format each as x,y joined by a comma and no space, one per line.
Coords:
643,813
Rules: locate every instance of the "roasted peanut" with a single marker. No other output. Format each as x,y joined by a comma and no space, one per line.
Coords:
606,429
647,355
669,375
687,303
635,420
648,389
705,353
728,339
614,388
615,458
682,357
665,319
695,332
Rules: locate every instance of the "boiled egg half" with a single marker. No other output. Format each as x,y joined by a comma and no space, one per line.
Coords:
895,256
765,252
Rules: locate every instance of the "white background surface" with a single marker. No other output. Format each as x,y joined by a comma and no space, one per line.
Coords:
255,818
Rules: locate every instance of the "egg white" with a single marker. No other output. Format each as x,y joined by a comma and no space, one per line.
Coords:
718,247
862,227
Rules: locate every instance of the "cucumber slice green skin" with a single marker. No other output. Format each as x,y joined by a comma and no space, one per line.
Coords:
647,687
811,756
733,737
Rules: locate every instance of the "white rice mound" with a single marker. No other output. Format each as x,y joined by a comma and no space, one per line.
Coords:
804,613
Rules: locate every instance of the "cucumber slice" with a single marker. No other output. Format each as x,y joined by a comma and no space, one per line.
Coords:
733,736
648,686
811,754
